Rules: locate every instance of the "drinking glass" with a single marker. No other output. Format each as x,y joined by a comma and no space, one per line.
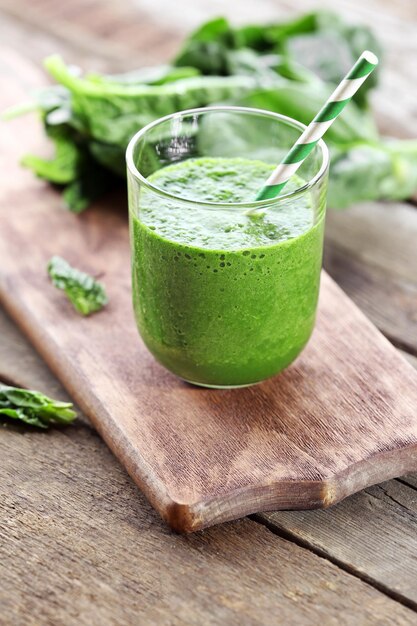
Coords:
213,314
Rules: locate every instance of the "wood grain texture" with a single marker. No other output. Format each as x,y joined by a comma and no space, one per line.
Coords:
305,439
94,575
371,533
410,479
410,358
18,361
93,30
371,250
80,546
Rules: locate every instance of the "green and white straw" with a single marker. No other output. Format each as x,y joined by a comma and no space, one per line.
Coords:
316,129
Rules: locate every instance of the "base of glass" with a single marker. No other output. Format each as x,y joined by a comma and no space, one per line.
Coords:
205,386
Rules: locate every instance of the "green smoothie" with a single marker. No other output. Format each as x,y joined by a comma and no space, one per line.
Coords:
222,298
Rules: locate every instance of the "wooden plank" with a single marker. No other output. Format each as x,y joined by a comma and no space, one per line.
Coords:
88,33
103,516
410,479
100,555
281,455
38,43
24,371
46,332
372,534
371,252
410,358
21,366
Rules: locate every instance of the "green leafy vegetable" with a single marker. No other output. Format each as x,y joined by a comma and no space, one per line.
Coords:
63,168
86,294
158,75
390,167
34,408
289,67
74,164
111,112
305,40
302,101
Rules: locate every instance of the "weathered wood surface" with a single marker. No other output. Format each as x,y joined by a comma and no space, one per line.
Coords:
338,420
88,537
396,24
371,251
80,545
92,30
373,533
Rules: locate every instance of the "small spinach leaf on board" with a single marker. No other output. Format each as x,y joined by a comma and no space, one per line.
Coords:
34,408
82,290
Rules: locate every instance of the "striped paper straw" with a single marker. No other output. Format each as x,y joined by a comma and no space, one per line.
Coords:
316,129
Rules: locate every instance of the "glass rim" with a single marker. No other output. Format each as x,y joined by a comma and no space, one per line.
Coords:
256,204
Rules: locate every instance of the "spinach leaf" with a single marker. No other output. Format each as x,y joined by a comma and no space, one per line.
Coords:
113,112
206,48
301,101
331,49
385,170
82,290
65,165
158,75
75,166
305,40
110,156
92,181
289,67
34,408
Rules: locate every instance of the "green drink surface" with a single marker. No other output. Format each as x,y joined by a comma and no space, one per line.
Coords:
222,298
228,181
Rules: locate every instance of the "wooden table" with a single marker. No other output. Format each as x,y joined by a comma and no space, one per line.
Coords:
79,544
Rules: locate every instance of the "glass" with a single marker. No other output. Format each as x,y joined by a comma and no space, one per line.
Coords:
220,309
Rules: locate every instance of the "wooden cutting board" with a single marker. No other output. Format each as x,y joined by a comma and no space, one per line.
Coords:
342,417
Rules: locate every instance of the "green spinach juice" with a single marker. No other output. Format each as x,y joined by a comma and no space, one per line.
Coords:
222,298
